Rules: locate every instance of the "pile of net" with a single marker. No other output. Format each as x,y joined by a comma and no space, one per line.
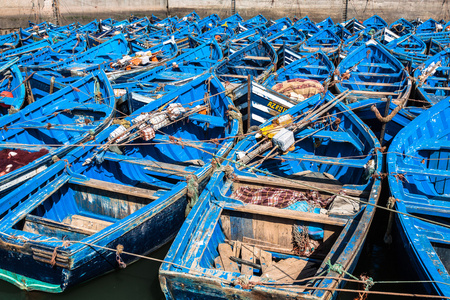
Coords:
11,160
299,89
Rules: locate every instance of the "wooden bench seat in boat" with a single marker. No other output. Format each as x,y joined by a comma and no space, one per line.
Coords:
233,75
351,163
115,188
248,67
258,57
336,136
395,84
167,168
377,65
74,223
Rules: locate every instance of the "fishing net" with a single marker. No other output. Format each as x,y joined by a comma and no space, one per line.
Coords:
299,87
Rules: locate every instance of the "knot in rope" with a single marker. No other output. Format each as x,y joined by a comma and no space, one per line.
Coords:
192,192
119,250
234,114
338,268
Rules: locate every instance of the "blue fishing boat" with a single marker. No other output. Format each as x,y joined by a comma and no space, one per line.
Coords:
256,21
371,71
98,57
232,21
48,129
56,52
316,66
132,197
326,23
408,49
375,22
307,27
242,240
8,54
429,26
289,37
208,22
417,163
353,42
353,25
277,26
242,40
401,27
9,41
433,77
257,60
12,89
325,41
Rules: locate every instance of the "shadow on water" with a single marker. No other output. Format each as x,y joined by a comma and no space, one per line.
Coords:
384,262
136,281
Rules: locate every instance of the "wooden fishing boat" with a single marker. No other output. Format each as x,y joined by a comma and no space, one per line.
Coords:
277,26
99,57
401,27
56,52
243,39
135,200
12,90
232,21
371,71
433,77
52,126
8,54
256,60
290,37
316,66
353,25
256,21
376,22
325,41
281,251
307,27
208,22
429,26
409,50
353,42
326,23
184,67
418,172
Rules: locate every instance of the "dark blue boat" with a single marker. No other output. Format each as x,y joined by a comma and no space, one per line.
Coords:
371,71
264,231
433,77
418,171
257,60
316,66
12,89
133,199
54,125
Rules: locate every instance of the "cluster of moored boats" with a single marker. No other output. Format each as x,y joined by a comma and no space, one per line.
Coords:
257,144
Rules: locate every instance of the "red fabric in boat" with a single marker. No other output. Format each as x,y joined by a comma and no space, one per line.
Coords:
10,162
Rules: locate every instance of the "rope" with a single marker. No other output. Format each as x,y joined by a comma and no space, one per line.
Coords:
389,117
192,192
234,114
